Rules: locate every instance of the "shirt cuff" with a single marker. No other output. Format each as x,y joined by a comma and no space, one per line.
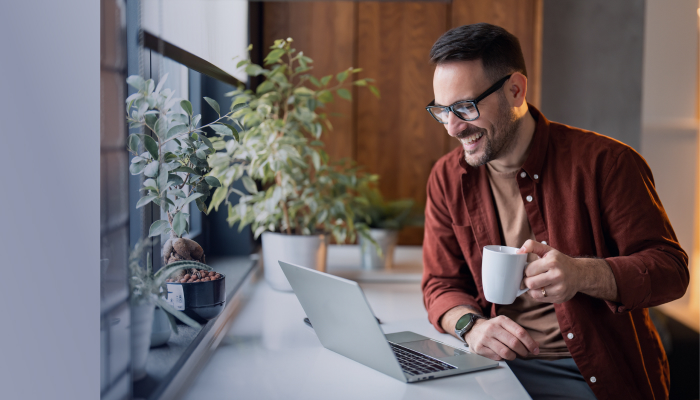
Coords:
447,301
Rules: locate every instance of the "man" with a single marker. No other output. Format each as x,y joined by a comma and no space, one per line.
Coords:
583,205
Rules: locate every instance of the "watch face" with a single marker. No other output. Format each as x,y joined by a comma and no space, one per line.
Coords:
466,318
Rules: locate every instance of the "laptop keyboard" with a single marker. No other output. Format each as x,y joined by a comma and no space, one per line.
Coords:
415,363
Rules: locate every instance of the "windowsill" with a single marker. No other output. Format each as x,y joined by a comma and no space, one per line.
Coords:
167,361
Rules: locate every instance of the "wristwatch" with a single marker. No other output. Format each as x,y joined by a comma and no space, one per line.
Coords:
465,323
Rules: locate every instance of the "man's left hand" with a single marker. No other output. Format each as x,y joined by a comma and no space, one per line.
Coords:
554,274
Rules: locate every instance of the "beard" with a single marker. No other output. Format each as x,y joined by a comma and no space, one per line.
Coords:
502,138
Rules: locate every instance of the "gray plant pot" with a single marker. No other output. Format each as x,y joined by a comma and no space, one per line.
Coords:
387,240
161,328
141,325
306,251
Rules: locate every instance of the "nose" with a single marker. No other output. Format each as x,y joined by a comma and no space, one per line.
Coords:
455,125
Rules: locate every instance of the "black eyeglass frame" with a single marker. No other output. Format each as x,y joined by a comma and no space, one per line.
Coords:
474,102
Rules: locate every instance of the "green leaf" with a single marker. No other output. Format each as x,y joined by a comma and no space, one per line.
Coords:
151,169
356,70
316,160
186,170
221,129
134,142
265,87
274,56
159,227
206,141
341,76
360,82
136,82
234,132
217,198
178,193
325,96
344,93
375,91
242,63
213,105
163,179
201,206
315,81
179,223
170,310
137,167
249,184
161,127
254,70
187,200
187,106
201,154
175,180
212,181
326,79
176,130
151,146
145,200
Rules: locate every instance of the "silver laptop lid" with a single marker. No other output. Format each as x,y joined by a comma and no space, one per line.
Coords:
342,318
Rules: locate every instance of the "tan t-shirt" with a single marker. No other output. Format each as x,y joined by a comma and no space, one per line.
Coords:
539,319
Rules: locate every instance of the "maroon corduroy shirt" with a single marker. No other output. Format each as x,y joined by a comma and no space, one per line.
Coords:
585,195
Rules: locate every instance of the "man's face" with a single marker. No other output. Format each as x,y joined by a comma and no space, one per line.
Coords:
492,134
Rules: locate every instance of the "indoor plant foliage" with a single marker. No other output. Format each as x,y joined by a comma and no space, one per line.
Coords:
379,213
280,124
174,161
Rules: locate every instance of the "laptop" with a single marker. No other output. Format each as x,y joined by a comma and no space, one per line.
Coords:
345,324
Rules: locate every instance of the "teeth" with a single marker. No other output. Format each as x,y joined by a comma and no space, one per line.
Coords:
472,138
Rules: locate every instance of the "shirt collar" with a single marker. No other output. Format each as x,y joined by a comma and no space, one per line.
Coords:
538,150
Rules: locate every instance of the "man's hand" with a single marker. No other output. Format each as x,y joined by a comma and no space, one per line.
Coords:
562,276
500,338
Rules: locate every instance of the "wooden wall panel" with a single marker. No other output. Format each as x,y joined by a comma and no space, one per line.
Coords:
324,31
396,137
522,18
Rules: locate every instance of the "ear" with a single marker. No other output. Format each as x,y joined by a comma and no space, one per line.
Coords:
516,89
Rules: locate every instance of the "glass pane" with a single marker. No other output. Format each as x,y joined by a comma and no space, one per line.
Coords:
466,110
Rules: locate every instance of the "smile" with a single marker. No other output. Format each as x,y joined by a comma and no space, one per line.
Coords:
471,139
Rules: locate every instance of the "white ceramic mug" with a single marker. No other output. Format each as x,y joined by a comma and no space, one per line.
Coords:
502,273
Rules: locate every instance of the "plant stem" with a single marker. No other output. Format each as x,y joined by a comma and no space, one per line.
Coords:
278,179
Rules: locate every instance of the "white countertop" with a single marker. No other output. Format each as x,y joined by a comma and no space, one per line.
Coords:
269,353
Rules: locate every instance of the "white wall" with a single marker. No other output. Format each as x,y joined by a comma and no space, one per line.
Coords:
669,108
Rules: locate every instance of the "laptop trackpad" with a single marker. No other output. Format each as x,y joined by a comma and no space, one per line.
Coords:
432,348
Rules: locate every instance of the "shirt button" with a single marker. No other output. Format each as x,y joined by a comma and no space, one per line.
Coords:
570,335
537,176
593,379
523,174
529,199
545,242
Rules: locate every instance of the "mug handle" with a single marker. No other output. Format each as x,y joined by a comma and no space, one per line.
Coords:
522,291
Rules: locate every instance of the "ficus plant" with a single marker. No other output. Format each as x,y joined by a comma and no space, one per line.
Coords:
292,185
172,153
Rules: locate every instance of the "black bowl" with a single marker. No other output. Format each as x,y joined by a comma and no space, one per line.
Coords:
202,300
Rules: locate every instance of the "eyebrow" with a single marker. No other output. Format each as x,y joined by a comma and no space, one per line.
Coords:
458,101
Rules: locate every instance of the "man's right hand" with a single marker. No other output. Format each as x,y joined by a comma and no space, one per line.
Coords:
500,338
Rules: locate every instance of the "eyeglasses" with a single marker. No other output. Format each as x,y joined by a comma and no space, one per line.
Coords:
465,110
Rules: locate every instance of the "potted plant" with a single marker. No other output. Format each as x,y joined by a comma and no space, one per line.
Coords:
300,197
385,219
148,289
173,160
172,154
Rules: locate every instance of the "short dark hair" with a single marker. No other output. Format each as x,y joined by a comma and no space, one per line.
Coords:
498,50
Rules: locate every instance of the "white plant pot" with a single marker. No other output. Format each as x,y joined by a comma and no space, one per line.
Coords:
161,328
141,325
387,240
307,251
